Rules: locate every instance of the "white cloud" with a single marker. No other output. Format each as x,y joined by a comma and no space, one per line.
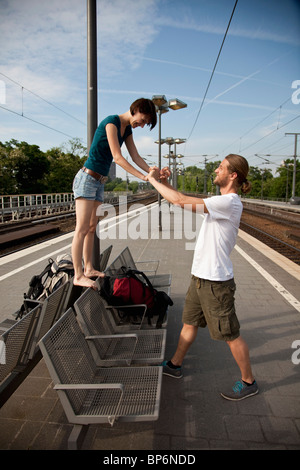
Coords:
125,30
144,143
41,41
41,33
47,40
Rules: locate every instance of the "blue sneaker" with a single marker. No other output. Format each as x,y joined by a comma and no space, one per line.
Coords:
240,390
167,370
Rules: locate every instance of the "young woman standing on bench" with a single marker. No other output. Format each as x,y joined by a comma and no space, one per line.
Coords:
88,184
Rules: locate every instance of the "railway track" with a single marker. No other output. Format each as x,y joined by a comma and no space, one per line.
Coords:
19,235
285,249
274,228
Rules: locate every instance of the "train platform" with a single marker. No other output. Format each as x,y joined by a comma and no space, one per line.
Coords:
193,415
287,206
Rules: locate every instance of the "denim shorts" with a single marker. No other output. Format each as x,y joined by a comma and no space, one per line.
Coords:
211,304
87,187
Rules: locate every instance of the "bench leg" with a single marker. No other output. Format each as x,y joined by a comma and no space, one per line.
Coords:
77,436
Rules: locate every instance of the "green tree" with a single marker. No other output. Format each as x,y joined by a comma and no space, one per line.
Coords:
191,179
285,176
7,179
25,166
31,168
122,186
111,184
260,180
63,168
75,147
133,186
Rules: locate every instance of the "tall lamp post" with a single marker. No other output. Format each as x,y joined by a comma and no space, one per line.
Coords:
177,142
170,141
175,168
163,106
92,109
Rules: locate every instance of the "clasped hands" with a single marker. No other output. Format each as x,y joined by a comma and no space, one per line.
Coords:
156,173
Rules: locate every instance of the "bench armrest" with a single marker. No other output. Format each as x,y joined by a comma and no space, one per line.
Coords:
111,419
126,335
132,306
154,262
88,387
127,360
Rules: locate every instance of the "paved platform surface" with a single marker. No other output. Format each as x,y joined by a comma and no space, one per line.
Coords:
193,415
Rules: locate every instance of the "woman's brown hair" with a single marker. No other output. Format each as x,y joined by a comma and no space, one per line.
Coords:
145,106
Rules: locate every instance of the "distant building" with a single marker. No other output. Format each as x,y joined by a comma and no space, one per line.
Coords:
112,171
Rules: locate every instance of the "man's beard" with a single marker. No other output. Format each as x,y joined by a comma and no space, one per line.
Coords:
220,182
216,181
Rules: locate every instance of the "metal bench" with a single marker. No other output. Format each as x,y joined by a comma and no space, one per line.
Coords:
99,327
19,343
15,348
104,257
90,394
125,259
51,309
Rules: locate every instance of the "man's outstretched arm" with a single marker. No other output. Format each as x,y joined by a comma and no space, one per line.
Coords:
173,196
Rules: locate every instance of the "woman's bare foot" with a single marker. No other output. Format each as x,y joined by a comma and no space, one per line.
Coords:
93,273
84,281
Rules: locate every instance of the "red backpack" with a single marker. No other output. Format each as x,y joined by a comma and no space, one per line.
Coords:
126,287
131,290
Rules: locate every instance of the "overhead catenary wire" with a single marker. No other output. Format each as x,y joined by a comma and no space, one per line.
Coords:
278,149
34,120
213,71
41,98
272,132
260,122
37,122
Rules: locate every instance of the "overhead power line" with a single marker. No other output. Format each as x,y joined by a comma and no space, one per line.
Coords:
270,133
43,99
212,74
260,122
37,122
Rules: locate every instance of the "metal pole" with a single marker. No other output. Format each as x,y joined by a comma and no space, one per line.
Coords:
159,166
295,160
287,185
92,112
175,167
295,165
205,176
92,109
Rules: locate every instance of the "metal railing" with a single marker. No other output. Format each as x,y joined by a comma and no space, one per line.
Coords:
23,206
27,206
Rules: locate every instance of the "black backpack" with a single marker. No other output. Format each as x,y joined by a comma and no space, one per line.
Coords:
55,274
129,286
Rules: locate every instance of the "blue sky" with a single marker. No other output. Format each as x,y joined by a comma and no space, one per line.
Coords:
150,47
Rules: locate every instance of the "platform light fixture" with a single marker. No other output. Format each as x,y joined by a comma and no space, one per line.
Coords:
162,106
177,104
159,101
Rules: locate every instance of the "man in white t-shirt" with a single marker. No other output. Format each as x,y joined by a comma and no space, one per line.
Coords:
210,297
